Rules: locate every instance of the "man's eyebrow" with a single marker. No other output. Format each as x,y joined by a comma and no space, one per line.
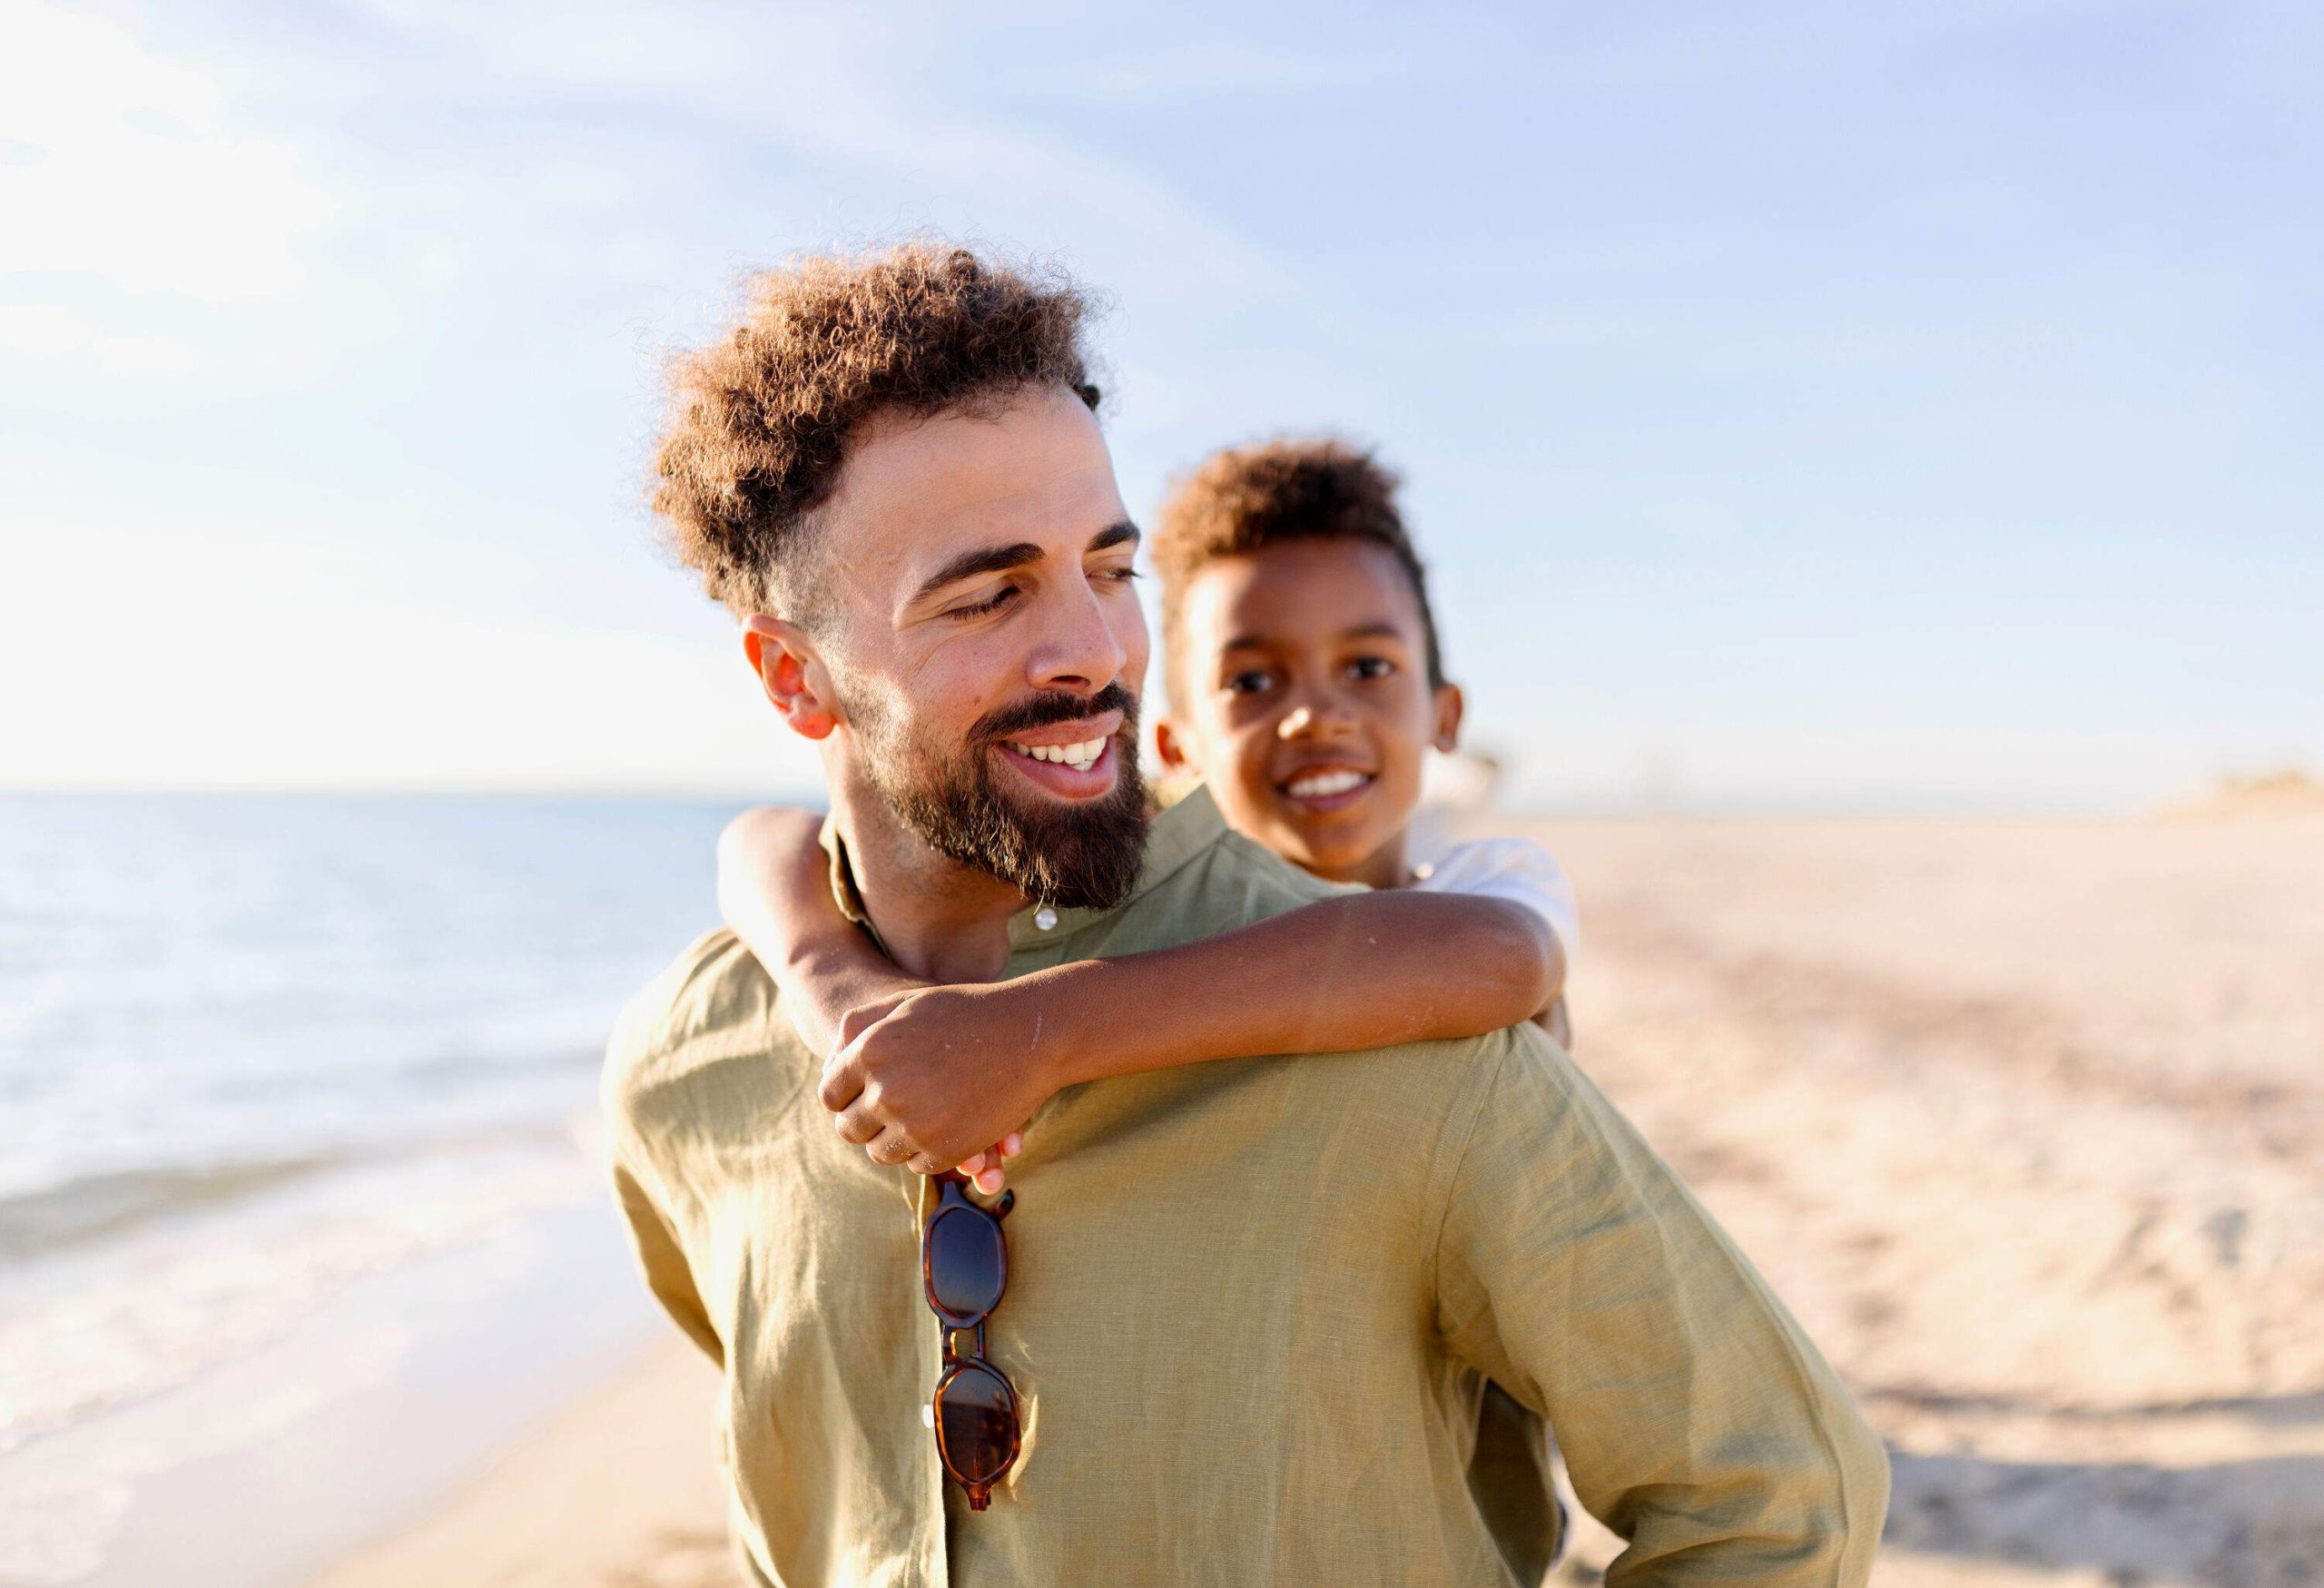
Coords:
985,559
998,559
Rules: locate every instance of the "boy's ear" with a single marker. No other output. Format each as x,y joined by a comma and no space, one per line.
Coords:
1448,717
1169,745
792,673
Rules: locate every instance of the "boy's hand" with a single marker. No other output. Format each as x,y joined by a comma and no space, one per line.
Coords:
942,1076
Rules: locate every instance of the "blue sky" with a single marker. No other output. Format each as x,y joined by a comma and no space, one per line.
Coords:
1840,406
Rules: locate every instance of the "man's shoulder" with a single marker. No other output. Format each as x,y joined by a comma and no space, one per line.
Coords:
1234,881
1518,1067
714,1002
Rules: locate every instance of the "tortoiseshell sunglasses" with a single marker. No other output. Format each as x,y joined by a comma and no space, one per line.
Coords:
964,1267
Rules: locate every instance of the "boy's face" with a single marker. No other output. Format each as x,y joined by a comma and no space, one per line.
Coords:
1303,699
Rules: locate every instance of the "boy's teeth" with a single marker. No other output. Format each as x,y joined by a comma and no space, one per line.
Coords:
1326,784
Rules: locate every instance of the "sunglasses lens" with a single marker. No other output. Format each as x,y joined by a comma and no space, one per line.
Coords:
976,1427
967,1264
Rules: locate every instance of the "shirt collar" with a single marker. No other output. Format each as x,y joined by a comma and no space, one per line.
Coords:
843,892
1172,839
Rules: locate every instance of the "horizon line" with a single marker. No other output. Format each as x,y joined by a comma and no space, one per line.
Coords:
1580,805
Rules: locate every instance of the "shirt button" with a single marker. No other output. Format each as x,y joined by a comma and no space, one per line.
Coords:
1045,918
927,1416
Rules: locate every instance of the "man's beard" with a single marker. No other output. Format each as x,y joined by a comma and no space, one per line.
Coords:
1076,855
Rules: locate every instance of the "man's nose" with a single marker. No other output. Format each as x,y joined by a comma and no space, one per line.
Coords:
1081,654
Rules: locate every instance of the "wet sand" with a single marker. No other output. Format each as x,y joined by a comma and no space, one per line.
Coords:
2025,1121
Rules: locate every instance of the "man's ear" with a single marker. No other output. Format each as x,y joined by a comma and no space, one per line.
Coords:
1448,717
792,673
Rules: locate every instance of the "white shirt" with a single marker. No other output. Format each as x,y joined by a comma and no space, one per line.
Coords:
1516,869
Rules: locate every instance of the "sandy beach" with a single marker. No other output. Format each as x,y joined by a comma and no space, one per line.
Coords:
2024,1119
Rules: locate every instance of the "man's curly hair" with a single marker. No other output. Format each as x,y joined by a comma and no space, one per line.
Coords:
1247,499
761,419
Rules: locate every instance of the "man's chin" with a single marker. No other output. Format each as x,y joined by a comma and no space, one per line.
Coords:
1061,837
1081,847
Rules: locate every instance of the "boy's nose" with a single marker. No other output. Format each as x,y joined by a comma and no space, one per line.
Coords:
1308,721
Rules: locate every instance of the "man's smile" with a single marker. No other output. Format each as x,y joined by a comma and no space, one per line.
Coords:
1079,756
1074,760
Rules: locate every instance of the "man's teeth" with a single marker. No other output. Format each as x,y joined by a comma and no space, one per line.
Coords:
1081,757
1322,783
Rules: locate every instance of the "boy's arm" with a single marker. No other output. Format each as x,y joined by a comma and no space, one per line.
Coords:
1362,970
950,1068
775,890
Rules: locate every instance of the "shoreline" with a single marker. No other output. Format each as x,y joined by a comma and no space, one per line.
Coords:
356,1423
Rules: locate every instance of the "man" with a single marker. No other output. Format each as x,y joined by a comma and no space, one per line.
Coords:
1249,1305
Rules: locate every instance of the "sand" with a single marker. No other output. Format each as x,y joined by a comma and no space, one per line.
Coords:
2025,1121
619,1490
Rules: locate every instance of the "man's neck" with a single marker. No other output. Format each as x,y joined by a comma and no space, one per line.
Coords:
939,920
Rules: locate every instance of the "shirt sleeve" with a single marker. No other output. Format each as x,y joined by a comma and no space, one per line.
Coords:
1697,1420
639,1040
662,1261
1516,869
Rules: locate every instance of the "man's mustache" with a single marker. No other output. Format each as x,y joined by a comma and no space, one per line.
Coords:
1045,710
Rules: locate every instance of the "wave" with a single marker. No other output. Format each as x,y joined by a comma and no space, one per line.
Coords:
97,1206
92,1207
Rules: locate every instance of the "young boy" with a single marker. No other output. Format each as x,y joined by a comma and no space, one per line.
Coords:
1305,687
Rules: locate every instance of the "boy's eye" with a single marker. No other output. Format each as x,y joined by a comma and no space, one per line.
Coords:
1250,681
992,603
1372,667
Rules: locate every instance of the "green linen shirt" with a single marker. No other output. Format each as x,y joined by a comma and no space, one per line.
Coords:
1251,1308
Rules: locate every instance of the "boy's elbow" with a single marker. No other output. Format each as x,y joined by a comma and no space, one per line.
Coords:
1521,962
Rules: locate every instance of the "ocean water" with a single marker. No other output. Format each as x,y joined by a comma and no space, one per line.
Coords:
257,1049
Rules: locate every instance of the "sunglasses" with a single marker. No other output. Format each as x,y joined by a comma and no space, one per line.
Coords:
964,1267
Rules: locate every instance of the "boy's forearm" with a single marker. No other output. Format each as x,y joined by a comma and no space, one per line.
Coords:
829,975
775,892
1337,976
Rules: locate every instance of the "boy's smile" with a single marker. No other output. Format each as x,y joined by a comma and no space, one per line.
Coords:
1301,697
1327,788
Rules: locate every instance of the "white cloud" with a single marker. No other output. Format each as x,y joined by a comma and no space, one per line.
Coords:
849,86
167,230
137,170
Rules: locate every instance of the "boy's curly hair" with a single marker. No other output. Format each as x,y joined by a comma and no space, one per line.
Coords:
760,418
1246,499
